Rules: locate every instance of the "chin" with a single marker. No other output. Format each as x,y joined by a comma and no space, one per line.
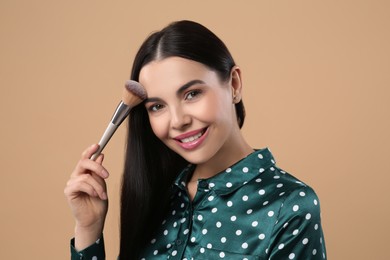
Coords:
196,157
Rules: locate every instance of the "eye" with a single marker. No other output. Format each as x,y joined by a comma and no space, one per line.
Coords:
155,107
192,94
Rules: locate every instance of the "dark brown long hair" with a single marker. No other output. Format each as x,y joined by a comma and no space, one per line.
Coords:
150,166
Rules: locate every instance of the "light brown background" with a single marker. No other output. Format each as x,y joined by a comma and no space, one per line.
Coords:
316,78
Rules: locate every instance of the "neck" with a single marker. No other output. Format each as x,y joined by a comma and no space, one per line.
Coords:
224,158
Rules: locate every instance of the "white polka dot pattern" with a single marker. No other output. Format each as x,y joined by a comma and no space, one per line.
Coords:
93,252
251,210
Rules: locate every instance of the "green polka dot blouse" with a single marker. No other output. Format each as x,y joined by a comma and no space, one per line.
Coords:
252,210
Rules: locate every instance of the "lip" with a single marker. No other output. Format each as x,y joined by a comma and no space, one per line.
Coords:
192,144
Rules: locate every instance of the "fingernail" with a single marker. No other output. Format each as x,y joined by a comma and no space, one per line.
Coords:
104,196
105,173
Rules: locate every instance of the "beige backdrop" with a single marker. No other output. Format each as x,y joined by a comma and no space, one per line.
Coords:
316,78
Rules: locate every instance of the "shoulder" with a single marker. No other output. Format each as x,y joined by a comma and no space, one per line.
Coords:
295,190
297,230
296,200
286,191
263,167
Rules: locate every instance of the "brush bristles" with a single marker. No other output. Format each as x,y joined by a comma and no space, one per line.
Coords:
133,94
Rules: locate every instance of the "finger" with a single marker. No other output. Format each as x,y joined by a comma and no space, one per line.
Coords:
87,166
73,190
87,153
86,188
98,185
88,184
99,180
100,159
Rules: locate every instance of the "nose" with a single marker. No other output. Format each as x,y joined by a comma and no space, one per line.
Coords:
180,119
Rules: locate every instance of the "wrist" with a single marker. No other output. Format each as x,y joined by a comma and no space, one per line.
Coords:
86,236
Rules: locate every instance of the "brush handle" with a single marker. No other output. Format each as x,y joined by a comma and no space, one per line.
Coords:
110,130
121,112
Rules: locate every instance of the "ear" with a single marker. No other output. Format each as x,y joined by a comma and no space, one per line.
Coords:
236,84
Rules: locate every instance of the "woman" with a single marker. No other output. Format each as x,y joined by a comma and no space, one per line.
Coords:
193,188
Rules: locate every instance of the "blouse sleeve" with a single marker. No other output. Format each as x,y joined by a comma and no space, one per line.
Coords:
93,252
298,232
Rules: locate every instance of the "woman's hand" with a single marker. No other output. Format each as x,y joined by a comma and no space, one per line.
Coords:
86,193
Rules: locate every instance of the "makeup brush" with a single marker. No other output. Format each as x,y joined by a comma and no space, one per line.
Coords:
133,94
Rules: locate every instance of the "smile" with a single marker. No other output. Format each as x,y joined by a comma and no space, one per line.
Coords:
191,140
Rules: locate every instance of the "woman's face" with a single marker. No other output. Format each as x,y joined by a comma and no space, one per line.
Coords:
190,109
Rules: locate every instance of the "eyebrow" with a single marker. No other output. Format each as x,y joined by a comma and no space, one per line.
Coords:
179,91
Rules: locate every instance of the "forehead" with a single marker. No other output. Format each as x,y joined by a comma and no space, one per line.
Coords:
173,72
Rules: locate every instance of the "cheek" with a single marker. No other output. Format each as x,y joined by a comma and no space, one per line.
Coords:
214,109
209,113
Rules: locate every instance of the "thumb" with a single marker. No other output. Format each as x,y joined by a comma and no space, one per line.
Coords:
100,159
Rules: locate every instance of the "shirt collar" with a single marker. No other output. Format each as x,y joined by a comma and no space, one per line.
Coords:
234,176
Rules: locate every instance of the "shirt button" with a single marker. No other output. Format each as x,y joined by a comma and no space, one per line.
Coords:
178,242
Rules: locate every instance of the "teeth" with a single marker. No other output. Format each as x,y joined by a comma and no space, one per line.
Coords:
191,138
